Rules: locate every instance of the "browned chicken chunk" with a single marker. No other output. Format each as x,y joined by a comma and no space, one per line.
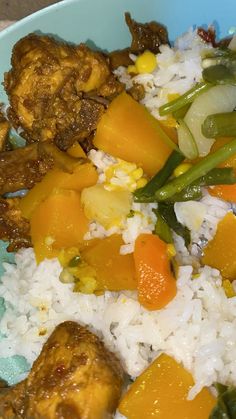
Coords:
13,227
23,167
4,131
74,377
47,86
145,36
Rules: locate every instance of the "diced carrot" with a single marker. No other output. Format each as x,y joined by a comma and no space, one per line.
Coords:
161,392
225,192
114,272
156,283
58,222
128,131
83,176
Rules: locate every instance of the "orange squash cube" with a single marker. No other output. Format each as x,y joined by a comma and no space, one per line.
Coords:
83,176
161,392
128,131
58,222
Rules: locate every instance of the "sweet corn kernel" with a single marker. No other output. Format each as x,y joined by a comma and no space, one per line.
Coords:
228,288
138,173
173,96
141,182
86,285
170,122
182,168
146,62
171,252
132,69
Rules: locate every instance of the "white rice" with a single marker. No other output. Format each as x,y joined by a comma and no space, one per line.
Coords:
198,328
178,68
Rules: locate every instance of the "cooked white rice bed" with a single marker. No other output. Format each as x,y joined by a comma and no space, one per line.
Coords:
198,328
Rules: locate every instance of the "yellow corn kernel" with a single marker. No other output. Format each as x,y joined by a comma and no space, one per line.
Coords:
137,173
228,288
132,69
146,62
141,182
171,252
182,168
173,96
170,122
86,285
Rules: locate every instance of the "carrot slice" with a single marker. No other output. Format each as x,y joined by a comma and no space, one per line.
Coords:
225,192
156,283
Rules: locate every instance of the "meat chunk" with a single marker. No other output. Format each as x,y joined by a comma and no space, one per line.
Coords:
23,167
145,36
73,377
46,87
13,227
4,130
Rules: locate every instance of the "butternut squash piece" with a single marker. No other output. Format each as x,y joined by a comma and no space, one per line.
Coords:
76,151
219,142
114,272
83,176
58,222
161,393
220,252
128,131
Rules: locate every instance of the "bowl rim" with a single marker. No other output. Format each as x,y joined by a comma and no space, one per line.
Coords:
38,13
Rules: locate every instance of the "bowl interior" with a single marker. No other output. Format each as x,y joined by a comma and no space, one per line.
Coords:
101,23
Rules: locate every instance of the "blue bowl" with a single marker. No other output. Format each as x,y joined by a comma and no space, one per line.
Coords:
102,22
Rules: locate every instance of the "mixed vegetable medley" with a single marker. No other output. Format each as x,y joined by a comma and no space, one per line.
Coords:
190,150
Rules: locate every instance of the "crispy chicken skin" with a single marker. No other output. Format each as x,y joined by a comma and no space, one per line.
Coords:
46,87
74,377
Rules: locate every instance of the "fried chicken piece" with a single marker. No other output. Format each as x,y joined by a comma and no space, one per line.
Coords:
75,376
13,227
46,88
23,167
4,130
145,36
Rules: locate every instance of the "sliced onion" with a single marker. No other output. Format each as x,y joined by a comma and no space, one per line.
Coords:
187,143
218,99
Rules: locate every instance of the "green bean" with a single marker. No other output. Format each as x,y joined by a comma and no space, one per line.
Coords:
162,229
217,176
180,113
220,125
168,214
185,99
146,193
200,169
219,74
190,193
